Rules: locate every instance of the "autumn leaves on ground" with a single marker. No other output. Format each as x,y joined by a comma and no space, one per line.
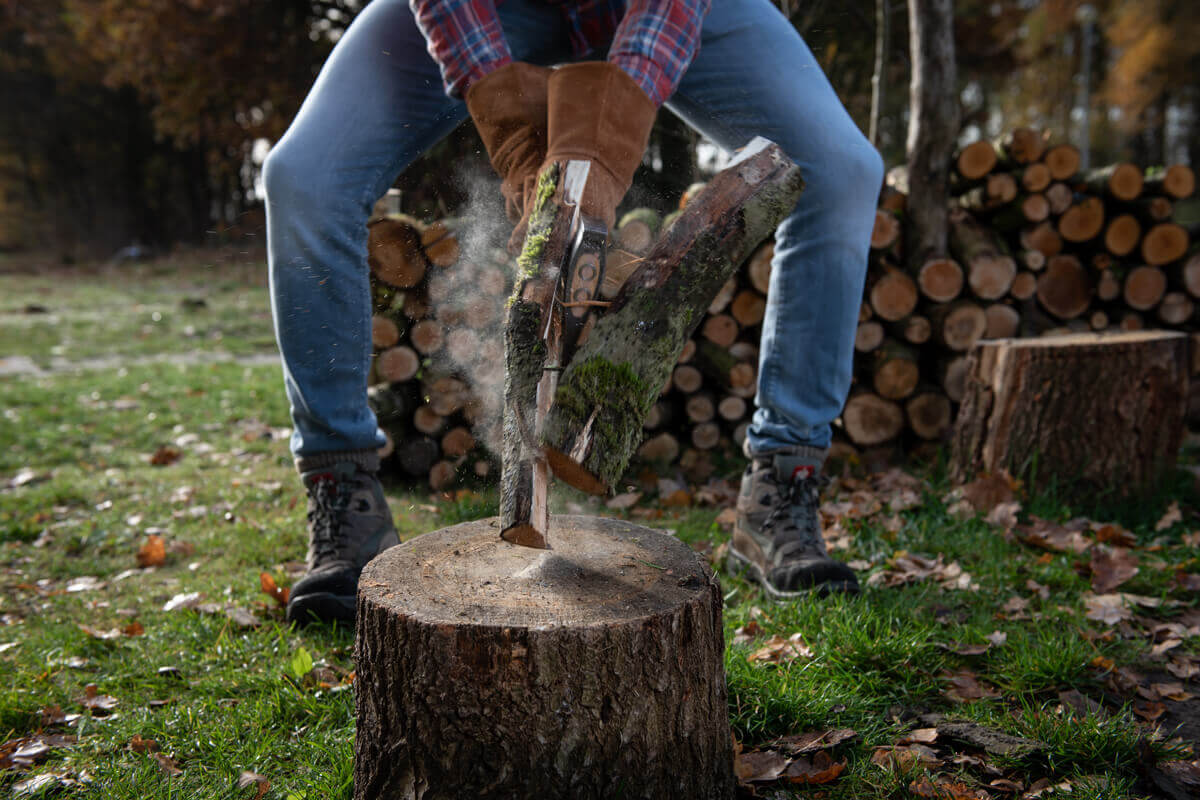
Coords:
1004,646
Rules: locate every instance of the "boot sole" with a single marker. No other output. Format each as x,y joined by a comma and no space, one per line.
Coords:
321,607
739,564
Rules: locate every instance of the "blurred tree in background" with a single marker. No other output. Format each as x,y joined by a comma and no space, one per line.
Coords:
142,119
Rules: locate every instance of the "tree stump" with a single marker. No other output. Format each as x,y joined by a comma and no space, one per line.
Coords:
1098,413
591,670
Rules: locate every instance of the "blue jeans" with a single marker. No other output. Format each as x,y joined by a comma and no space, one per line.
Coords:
378,104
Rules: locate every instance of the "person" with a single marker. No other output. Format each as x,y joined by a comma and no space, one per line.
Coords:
549,79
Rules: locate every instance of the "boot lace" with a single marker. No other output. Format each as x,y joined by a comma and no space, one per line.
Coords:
796,517
326,517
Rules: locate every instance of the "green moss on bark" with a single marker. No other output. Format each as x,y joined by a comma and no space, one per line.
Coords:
541,220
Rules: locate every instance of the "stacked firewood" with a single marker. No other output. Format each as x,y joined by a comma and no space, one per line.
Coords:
1036,247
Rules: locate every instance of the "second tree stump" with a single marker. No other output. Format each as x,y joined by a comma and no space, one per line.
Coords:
1097,413
592,670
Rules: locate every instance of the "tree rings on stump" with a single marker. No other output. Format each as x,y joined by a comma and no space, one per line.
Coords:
592,670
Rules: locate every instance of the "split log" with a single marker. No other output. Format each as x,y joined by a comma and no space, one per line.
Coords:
1062,161
1177,181
637,229
1176,308
1190,273
1122,234
1003,321
394,252
871,420
893,295
958,325
397,364
1144,287
1102,413
929,414
868,337
748,308
940,279
1164,243
1063,288
1082,221
896,371
1122,181
523,674
758,268
1024,286
595,422
975,160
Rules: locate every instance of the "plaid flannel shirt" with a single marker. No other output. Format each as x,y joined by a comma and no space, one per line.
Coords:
654,41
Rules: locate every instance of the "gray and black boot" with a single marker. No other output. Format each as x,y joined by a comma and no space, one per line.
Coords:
348,524
777,536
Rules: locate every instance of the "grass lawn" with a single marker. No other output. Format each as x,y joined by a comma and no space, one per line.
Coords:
182,681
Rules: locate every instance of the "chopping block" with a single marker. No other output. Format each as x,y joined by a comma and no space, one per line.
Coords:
590,670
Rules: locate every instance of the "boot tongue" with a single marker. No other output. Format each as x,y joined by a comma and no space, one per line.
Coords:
338,472
790,468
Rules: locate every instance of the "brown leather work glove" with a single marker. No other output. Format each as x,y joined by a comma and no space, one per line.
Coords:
598,113
508,107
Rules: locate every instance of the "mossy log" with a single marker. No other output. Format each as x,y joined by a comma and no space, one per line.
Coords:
595,422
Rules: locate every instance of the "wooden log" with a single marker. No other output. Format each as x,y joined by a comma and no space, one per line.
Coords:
427,336
869,419
748,308
929,413
1102,261
416,305
1144,287
724,296
1132,321
868,337
605,391
482,468
662,449
940,279
428,421
385,332
1003,321
1176,308
636,231
886,232
739,434
1035,178
462,345
1164,243
1098,320
953,378
1024,286
892,199
700,407
732,408
893,295
914,329
1033,260
1108,286
743,379
440,243
518,674
997,190
1060,197
394,252
447,395
1177,181
718,364
492,279
896,371
1082,221
1122,181
1102,412
1062,161
659,415
1043,238
687,378
706,436
1063,288
1122,234
975,160
1154,208
758,268
744,351
958,325
457,442
416,455
397,364
442,475
392,403
1021,145
1190,274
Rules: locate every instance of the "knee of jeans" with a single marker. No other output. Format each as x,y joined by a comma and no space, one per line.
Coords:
289,180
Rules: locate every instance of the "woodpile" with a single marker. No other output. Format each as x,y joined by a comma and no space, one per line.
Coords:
1036,247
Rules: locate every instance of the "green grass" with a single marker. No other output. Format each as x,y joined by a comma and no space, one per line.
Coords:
220,699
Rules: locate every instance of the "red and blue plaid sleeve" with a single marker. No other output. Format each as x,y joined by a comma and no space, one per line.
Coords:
656,41
465,39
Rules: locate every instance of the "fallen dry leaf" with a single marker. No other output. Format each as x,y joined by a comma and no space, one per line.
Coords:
96,633
820,769
166,763
134,629
1107,608
902,758
1172,517
1113,534
904,569
965,687
1051,536
92,699
944,788
997,638
747,633
153,552
812,741
182,600
165,456
252,779
778,650
920,736
1111,566
759,766
988,491
139,745
277,593
1149,711
1004,515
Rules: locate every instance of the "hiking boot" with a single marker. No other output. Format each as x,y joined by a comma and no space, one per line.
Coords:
348,525
777,536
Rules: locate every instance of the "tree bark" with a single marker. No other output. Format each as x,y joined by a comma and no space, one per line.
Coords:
933,126
605,392
492,671
1096,413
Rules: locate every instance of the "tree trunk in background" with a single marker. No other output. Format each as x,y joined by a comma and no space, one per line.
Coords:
878,78
932,127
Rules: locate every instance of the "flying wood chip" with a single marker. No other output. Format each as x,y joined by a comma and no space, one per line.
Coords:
277,593
153,552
